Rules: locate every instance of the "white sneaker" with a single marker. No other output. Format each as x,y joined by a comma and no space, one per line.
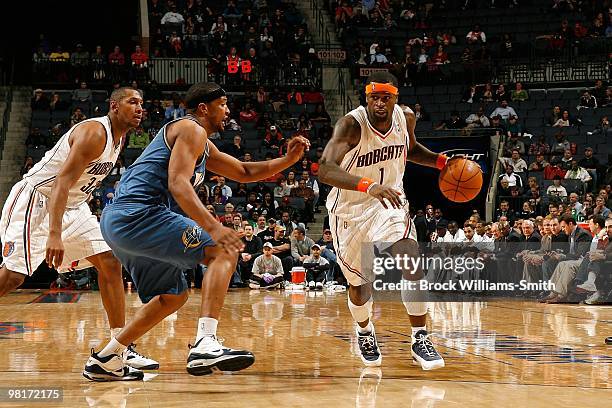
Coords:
311,285
596,298
110,368
254,285
319,285
587,286
208,356
136,360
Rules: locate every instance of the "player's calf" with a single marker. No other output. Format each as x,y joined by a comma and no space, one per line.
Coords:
9,281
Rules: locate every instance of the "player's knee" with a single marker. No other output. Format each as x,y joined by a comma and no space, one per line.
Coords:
108,265
409,249
9,281
172,303
360,294
218,254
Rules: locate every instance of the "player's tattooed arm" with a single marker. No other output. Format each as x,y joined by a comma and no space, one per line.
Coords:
347,134
417,153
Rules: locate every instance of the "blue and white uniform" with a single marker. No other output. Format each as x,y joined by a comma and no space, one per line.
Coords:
147,230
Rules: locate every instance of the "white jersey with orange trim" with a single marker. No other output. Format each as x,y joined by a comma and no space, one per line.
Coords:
44,173
381,157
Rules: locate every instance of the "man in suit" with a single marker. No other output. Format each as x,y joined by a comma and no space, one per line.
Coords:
505,211
529,241
507,243
565,272
533,258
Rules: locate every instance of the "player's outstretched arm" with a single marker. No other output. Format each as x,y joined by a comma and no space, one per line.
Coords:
232,168
87,143
417,153
188,146
347,134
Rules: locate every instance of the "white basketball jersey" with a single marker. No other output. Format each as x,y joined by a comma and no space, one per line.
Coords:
381,157
43,174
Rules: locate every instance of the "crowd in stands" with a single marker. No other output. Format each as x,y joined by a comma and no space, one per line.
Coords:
244,45
517,247
554,142
416,39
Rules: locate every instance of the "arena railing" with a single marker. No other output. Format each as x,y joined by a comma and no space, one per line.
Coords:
496,149
323,32
345,99
183,72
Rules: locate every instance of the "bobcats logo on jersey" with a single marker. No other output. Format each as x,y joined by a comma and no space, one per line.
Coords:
378,155
9,248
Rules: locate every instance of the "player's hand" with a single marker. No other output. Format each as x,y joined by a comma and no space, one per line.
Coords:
381,193
54,253
227,238
296,147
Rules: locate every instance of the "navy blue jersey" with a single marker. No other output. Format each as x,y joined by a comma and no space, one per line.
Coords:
145,182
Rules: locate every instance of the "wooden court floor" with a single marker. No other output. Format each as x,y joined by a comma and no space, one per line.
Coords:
498,354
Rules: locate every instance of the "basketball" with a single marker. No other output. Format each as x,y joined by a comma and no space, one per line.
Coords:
461,180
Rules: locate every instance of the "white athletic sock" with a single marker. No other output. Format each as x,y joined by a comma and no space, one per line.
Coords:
115,331
113,347
415,330
367,329
207,326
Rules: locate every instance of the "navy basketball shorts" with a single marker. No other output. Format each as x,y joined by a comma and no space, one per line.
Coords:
155,245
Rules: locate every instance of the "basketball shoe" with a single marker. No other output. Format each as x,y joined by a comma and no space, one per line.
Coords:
136,360
424,352
208,356
368,348
110,368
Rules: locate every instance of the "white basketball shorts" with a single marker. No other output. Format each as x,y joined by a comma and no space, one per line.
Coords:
353,240
24,228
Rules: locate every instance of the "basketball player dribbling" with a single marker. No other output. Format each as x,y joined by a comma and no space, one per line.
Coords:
46,216
365,161
149,233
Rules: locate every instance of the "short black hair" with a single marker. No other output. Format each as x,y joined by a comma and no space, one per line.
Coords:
120,93
599,220
202,92
567,218
383,77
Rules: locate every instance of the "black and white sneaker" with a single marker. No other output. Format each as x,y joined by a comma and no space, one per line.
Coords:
209,356
136,360
368,348
110,368
424,352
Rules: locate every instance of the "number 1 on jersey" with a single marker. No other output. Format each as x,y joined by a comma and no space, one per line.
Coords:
382,175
